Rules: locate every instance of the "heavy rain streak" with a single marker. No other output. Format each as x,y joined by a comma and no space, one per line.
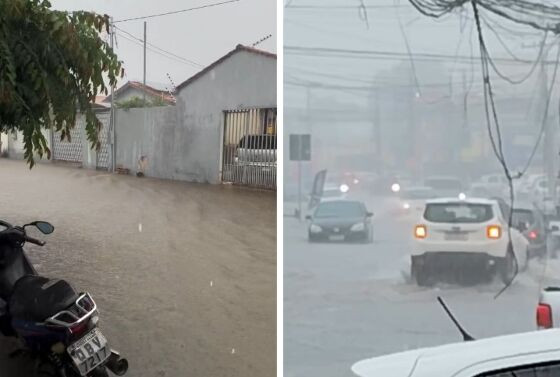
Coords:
422,161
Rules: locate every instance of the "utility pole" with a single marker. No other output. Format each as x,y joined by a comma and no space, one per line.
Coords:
112,118
377,128
549,137
144,81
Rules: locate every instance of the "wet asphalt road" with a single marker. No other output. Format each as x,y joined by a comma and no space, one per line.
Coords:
344,303
184,274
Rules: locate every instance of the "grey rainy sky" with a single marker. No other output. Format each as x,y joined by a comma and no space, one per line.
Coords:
313,23
202,36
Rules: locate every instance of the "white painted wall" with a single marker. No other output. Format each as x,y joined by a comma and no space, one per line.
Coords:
244,80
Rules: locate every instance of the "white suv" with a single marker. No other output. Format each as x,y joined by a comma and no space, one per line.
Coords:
454,234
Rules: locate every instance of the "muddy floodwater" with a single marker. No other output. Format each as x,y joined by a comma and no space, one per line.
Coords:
184,274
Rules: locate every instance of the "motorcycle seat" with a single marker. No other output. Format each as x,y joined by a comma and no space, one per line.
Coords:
36,298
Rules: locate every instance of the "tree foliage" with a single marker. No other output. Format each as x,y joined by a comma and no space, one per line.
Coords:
136,102
52,65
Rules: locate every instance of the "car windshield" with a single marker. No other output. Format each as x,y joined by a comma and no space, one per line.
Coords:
340,209
525,216
444,184
458,213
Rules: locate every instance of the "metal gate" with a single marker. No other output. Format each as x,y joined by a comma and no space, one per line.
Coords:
63,150
249,148
103,158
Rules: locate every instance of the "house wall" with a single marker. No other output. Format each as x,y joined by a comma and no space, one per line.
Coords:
147,132
245,80
13,144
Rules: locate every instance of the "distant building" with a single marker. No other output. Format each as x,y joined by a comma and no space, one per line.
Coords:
135,89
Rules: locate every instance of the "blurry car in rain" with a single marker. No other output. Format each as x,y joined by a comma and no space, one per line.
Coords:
335,192
445,186
530,354
495,184
465,239
340,220
413,199
527,182
478,190
530,221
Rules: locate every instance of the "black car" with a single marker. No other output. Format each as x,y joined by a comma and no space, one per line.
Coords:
530,221
340,220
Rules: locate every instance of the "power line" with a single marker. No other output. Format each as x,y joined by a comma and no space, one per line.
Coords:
155,51
408,50
345,7
182,59
177,11
376,54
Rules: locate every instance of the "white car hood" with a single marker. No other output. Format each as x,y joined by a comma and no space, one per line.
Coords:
395,365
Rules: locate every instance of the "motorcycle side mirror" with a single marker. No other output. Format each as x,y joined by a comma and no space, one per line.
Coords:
43,226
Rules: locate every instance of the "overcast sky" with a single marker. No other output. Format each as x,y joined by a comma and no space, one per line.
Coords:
201,36
313,23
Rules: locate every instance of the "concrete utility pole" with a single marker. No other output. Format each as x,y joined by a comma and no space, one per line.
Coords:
549,137
144,81
377,127
112,120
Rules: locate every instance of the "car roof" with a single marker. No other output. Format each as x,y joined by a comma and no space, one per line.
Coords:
442,177
457,200
447,360
342,201
418,188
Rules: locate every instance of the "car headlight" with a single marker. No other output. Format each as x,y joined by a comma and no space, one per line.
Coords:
358,227
315,228
406,206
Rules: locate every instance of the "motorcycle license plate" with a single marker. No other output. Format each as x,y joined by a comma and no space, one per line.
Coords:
89,352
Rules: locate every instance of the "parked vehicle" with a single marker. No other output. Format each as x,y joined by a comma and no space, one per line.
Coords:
530,221
548,308
340,220
259,150
445,186
531,354
55,324
460,237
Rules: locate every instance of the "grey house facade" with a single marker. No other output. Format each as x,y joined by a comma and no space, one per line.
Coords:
186,141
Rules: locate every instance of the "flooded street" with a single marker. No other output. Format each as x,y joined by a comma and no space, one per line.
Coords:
184,274
344,302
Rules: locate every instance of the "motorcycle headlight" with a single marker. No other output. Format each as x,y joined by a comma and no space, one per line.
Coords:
315,228
406,206
358,227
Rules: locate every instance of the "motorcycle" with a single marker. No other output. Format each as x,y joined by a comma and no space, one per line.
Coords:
56,325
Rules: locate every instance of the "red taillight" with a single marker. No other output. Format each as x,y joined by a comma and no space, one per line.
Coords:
544,316
533,235
79,328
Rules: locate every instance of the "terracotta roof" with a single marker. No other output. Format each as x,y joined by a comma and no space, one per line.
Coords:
146,88
237,49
